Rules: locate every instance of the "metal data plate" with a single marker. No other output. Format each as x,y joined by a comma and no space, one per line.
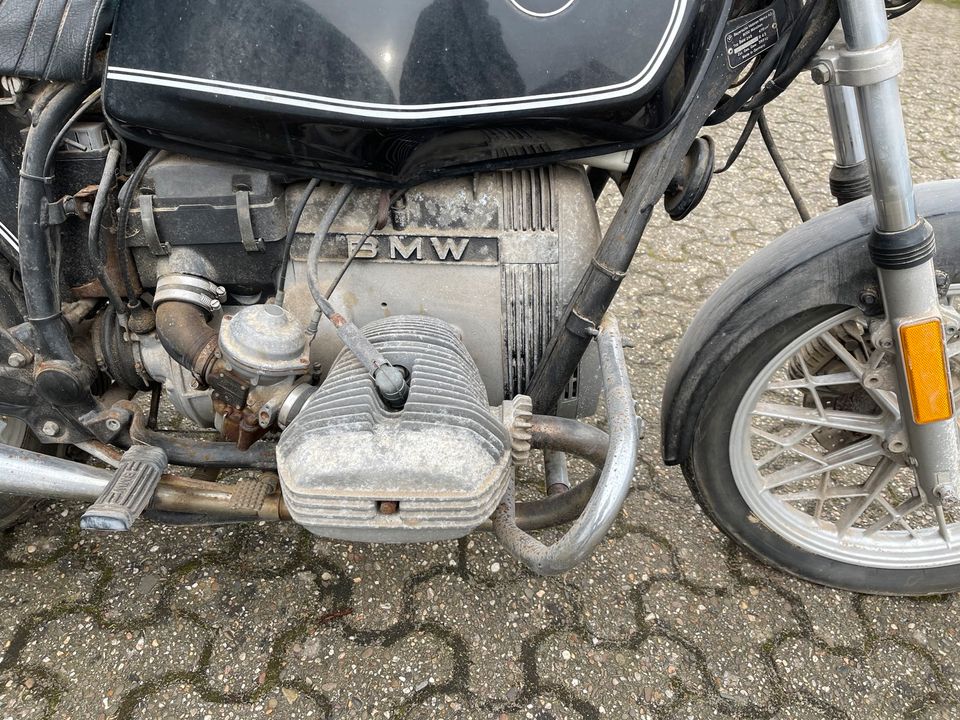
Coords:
752,38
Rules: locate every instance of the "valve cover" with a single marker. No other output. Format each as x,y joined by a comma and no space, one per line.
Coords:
353,469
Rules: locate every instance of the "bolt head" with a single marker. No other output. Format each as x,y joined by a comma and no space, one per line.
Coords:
821,73
50,428
16,360
113,424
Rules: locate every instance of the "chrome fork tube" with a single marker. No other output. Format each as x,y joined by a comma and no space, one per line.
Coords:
850,176
902,245
845,125
865,27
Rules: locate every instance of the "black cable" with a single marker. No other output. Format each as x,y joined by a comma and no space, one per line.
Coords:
901,8
750,87
390,381
91,99
785,61
741,142
799,27
291,232
818,30
313,257
770,63
356,251
782,167
89,102
123,213
41,286
94,249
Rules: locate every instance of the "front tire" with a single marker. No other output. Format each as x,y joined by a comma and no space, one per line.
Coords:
790,405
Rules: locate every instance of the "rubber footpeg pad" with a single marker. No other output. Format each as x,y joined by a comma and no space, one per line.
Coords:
128,492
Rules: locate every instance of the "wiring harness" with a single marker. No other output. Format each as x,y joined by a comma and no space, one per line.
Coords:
806,26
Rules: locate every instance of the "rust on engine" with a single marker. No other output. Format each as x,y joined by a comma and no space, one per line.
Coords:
250,430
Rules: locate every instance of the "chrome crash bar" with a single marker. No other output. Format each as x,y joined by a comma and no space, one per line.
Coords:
604,504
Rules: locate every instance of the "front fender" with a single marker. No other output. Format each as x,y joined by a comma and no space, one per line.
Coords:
822,262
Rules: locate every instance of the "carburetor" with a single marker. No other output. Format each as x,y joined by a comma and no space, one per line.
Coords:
267,347
241,369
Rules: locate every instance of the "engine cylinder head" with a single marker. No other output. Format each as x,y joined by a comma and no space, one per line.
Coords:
354,468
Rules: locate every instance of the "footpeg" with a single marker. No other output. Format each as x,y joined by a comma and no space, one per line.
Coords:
128,492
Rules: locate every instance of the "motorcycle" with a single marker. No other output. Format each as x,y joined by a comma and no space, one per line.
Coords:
358,243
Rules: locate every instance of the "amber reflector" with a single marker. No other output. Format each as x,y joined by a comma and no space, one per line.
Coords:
925,361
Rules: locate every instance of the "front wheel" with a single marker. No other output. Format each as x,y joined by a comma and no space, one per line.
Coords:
802,463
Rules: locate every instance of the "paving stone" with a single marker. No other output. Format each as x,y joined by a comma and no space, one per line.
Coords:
650,674
890,681
610,583
118,660
931,624
666,621
740,672
389,676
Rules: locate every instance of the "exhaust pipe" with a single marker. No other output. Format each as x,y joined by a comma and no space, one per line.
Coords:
24,472
32,474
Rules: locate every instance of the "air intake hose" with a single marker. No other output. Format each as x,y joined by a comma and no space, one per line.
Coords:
184,333
183,305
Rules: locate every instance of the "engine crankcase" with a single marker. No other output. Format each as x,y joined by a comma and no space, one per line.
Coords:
497,254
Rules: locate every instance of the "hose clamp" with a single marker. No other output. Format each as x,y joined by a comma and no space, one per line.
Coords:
180,287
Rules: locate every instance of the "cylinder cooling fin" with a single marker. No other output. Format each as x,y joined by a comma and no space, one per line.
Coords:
353,469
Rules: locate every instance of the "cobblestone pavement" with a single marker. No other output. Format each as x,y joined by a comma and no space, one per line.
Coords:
668,620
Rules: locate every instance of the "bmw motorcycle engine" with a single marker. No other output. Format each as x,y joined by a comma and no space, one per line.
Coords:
458,281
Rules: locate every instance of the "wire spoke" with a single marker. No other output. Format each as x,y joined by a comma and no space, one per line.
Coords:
836,419
830,492
782,441
844,378
811,388
823,490
856,453
879,479
942,525
884,398
896,515
786,444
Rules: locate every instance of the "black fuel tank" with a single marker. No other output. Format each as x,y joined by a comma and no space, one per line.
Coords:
399,90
